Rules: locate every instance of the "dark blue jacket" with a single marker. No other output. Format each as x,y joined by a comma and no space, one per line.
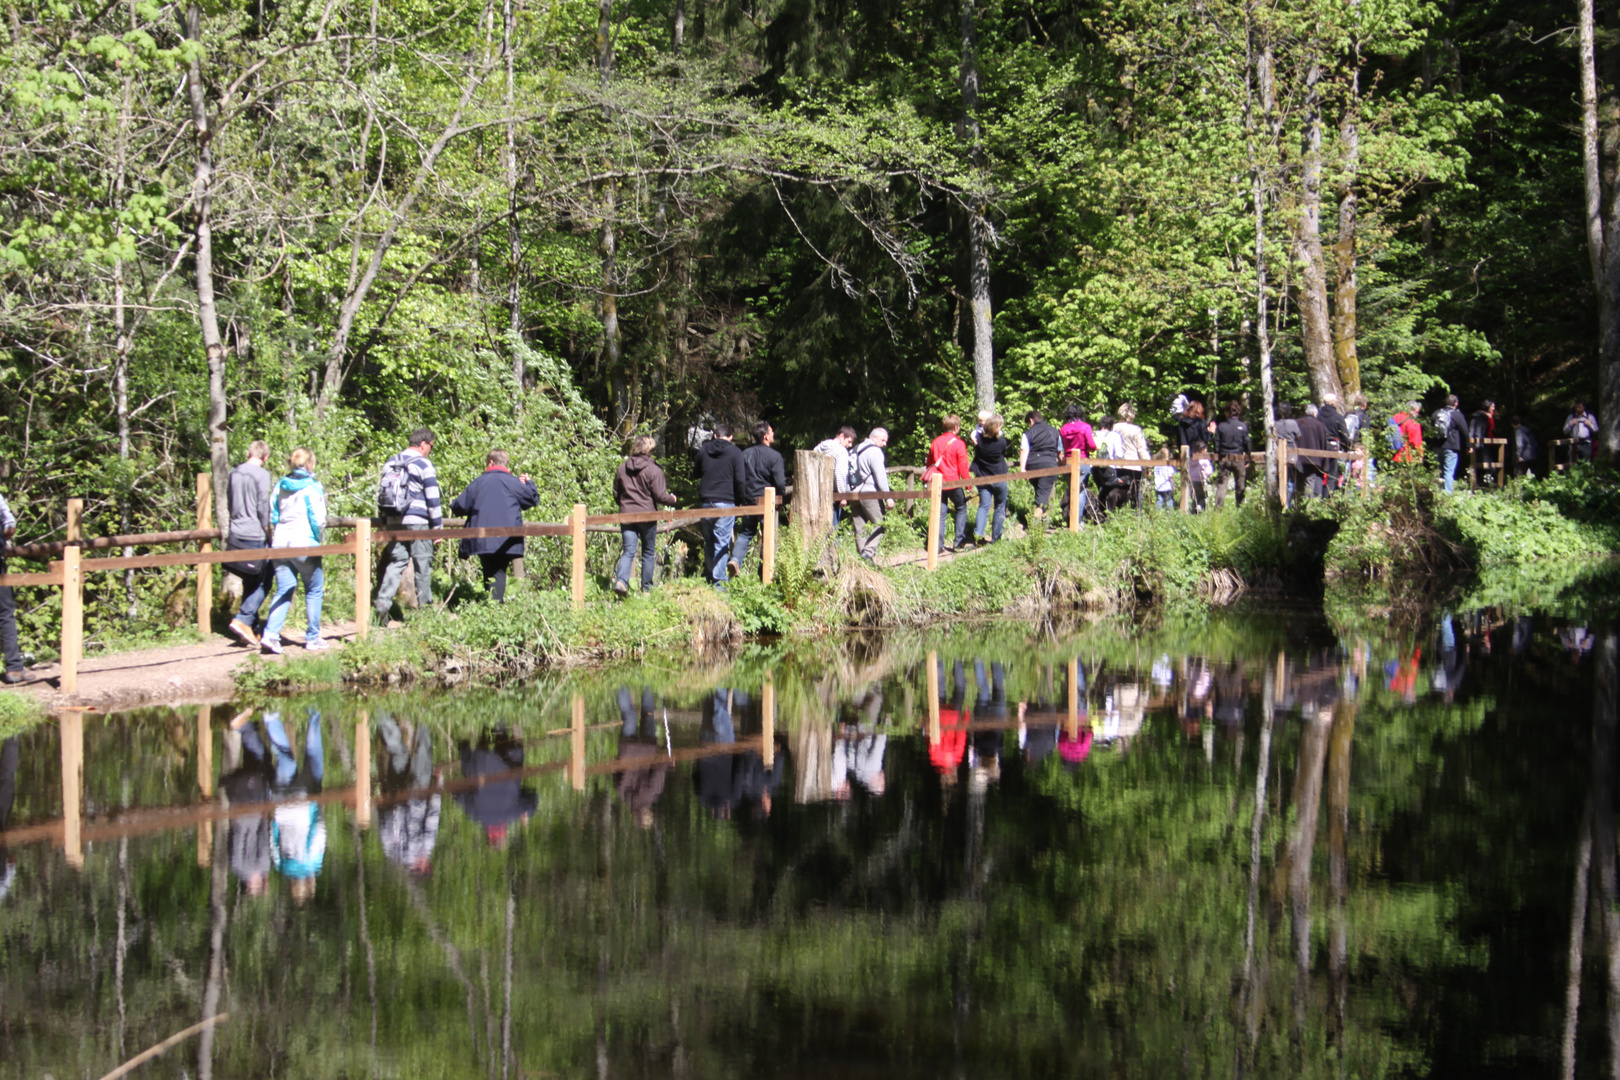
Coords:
494,499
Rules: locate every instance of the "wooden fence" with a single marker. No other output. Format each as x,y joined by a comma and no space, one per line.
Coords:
68,563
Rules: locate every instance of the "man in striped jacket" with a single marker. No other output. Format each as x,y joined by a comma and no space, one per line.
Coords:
409,499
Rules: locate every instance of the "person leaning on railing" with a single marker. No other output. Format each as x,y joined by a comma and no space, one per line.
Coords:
8,603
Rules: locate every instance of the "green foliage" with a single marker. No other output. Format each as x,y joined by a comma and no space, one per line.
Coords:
19,712
1502,530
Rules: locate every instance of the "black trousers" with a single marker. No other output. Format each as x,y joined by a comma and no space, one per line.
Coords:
495,567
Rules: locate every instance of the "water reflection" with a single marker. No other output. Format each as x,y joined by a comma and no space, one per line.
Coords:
1261,847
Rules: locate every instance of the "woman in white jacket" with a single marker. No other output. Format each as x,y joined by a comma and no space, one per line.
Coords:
297,516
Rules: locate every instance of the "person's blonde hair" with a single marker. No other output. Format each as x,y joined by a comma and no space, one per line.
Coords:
301,459
992,426
1126,412
985,414
260,449
499,458
643,444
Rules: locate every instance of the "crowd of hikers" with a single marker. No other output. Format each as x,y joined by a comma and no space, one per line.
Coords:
1119,467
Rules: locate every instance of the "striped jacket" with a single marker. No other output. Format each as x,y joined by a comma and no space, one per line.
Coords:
425,508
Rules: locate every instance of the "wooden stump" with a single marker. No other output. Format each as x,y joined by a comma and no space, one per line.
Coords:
811,511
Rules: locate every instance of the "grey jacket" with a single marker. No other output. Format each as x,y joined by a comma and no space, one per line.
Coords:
869,469
248,495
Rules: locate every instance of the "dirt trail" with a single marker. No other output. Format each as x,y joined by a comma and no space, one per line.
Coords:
174,675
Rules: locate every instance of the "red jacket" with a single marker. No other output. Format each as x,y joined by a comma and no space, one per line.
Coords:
947,455
1412,434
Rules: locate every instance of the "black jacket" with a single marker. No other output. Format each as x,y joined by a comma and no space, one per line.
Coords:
494,499
1045,446
1312,436
1457,432
1232,437
762,468
1333,420
721,474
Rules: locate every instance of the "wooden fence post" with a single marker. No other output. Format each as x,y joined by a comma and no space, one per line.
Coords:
1552,456
71,727
1501,464
205,781
767,536
1075,491
362,578
576,525
72,600
767,721
1074,699
932,680
576,758
1282,471
205,571
936,491
362,769
1186,476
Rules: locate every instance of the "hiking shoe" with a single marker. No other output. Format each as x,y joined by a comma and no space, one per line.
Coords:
318,645
270,647
245,632
732,569
12,678
620,588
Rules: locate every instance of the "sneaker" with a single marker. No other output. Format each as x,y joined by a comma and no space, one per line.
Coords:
245,632
270,647
619,587
317,645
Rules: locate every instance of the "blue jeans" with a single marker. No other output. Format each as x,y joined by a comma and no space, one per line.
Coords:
1167,500
747,528
987,494
255,591
717,544
286,762
1448,471
1085,475
288,573
634,719
958,499
645,536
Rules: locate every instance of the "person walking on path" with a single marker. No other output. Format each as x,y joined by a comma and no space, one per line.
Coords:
1039,447
1581,426
495,500
408,498
1332,417
1525,448
947,456
838,448
1453,427
1482,426
1164,480
640,488
1078,438
720,484
1313,435
247,493
762,468
1192,426
297,517
990,459
1356,421
8,602
1410,446
869,471
1232,448
1132,447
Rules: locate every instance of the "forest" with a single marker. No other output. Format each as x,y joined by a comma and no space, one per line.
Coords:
549,226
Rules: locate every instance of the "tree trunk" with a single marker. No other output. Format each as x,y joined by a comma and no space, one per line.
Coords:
1258,83
984,372
1340,744
126,516
1602,240
1577,942
202,185
612,359
1606,688
1301,845
1345,358
1315,332
514,236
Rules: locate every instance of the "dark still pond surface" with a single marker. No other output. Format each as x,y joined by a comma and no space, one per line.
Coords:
1249,846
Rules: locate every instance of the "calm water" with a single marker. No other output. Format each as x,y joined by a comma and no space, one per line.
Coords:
1252,845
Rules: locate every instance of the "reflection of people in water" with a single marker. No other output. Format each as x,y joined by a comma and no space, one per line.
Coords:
640,788
1230,697
408,829
948,752
9,757
247,781
297,829
1196,703
726,782
1578,640
1403,675
858,750
1448,676
496,804
1523,630
984,748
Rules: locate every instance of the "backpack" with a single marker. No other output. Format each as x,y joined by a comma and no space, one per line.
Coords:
855,468
1525,444
1397,440
394,490
1442,421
